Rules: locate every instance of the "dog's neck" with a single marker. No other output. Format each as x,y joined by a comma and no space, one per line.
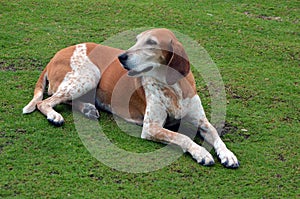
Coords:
158,73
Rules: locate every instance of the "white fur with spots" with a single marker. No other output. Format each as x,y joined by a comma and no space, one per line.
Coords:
160,104
84,77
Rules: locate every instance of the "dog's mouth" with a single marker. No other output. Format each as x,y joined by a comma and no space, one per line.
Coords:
133,72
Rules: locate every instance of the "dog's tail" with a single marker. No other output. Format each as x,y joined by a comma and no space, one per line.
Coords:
38,93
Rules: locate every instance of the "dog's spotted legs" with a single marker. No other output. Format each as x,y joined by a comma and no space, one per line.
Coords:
209,133
153,130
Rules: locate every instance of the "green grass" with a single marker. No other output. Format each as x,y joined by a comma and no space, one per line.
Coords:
256,53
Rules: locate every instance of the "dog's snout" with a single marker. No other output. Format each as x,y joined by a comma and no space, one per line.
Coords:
123,57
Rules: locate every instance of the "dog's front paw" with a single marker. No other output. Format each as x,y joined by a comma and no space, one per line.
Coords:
90,111
201,155
228,159
55,118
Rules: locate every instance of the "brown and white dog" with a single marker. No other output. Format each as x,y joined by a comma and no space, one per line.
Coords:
146,84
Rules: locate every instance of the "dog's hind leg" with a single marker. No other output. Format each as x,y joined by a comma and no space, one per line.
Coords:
70,89
46,107
83,78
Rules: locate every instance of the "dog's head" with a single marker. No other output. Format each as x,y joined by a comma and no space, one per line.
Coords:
157,53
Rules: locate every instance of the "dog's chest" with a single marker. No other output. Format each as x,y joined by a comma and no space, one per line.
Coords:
165,96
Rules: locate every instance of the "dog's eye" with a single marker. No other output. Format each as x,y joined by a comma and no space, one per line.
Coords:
151,42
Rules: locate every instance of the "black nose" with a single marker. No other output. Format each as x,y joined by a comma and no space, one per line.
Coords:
123,57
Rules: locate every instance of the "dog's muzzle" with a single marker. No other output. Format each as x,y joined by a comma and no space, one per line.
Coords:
123,58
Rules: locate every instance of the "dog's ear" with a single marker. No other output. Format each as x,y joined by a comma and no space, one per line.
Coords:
178,65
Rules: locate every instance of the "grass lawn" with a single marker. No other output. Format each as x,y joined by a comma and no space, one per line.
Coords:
255,45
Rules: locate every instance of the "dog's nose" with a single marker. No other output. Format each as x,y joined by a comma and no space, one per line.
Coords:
123,57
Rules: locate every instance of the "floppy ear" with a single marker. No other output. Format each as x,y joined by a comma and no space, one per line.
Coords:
178,65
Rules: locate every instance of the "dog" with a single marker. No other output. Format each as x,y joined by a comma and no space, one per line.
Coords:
146,85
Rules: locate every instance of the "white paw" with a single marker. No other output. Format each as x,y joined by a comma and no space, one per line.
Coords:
201,155
90,111
55,118
228,159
